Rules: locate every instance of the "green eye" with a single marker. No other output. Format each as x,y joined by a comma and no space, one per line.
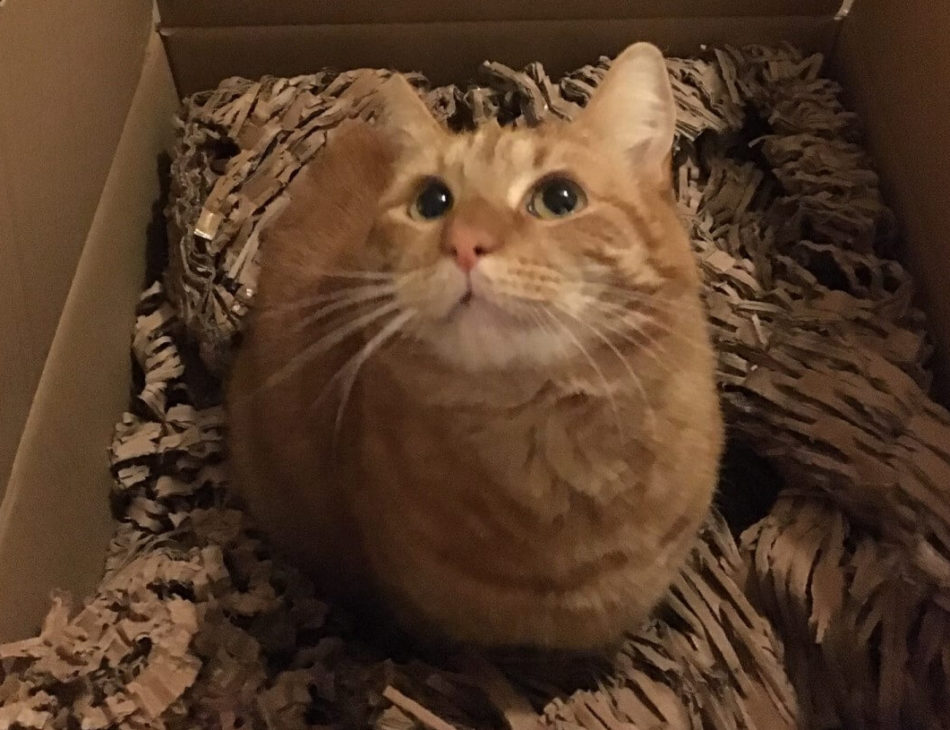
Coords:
556,197
433,201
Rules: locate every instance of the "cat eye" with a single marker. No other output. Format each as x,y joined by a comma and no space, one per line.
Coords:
556,197
433,201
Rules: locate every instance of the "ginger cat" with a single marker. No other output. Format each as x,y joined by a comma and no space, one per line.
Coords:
479,386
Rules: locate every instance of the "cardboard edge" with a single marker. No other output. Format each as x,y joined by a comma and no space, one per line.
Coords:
306,12
201,57
54,520
68,71
891,61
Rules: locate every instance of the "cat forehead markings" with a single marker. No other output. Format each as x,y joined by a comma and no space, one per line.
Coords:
503,162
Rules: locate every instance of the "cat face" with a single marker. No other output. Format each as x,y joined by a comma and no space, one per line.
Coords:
519,247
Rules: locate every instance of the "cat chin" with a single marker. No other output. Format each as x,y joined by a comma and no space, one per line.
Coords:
480,336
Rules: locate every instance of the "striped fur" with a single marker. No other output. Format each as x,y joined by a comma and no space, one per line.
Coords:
529,467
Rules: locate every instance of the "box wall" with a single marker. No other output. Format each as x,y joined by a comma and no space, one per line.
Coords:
54,525
54,520
202,56
311,12
68,69
894,60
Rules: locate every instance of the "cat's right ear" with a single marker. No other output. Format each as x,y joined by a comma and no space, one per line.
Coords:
402,115
632,112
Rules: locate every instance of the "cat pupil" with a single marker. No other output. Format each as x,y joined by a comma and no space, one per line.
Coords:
434,200
559,197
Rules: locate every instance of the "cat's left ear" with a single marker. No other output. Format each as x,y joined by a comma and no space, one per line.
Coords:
632,110
402,115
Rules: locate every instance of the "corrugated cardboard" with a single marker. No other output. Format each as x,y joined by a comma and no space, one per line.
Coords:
895,60
287,50
68,69
252,37
54,518
67,73
308,12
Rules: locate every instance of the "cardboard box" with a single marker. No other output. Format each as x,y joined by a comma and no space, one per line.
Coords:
87,91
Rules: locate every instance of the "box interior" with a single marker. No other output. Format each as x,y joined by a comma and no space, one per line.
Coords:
80,178
54,518
894,61
58,134
208,42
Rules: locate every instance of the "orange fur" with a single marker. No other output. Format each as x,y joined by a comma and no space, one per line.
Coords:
525,465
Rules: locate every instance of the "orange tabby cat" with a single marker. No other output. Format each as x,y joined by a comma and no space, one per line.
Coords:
480,384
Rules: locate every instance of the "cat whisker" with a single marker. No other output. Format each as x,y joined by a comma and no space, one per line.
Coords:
520,308
356,274
328,298
658,308
625,289
649,300
658,311
380,285
619,323
377,276
337,306
590,360
650,413
350,369
618,310
351,327
529,307
534,309
628,336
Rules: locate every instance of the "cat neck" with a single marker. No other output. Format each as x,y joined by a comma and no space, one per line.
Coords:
428,380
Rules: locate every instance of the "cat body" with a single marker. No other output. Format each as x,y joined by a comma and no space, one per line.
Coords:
479,386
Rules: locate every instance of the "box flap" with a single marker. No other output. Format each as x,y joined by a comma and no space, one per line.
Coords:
893,59
451,51
55,521
68,69
314,12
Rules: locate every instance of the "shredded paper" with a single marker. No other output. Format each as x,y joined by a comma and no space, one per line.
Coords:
830,610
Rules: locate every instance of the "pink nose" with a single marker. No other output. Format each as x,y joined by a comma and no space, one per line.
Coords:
468,243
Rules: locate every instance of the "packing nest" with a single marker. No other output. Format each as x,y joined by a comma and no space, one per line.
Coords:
829,610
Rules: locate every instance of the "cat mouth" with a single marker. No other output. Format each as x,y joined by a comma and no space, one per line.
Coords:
465,301
480,310
477,305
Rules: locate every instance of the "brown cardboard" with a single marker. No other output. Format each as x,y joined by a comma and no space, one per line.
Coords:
68,69
53,523
16,373
55,157
54,518
815,362
839,427
202,56
894,58
306,12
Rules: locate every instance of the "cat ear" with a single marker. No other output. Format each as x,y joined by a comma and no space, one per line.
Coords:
403,116
632,110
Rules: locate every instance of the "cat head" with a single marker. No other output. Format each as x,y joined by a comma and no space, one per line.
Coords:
517,246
